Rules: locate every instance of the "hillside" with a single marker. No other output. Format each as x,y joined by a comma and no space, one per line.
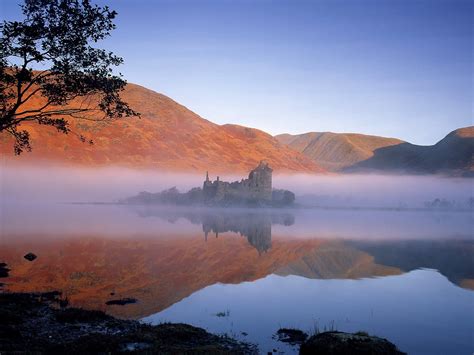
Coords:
453,154
168,136
362,153
335,151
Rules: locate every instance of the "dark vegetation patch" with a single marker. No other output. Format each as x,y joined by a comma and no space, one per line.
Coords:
223,314
33,323
121,302
77,315
52,296
291,336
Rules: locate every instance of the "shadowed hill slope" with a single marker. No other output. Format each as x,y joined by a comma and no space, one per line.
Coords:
452,154
361,153
335,151
451,258
168,136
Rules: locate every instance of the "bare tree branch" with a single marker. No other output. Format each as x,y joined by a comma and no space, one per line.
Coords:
79,82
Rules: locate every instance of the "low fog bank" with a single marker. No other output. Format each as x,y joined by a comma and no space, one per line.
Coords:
59,184
390,191
26,222
20,184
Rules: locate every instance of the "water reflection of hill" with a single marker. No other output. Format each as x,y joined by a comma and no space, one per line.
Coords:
452,258
163,267
357,259
336,260
161,272
157,272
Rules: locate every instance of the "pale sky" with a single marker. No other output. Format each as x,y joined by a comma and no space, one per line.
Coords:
398,68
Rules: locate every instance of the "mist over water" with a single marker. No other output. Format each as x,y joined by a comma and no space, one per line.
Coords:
64,184
377,190
60,184
118,221
35,196
35,199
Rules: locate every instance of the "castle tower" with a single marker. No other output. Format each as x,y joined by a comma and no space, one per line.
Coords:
260,181
207,187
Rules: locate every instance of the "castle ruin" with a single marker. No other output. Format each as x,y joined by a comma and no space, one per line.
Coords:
256,188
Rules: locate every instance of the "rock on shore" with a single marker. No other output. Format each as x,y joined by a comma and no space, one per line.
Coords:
332,343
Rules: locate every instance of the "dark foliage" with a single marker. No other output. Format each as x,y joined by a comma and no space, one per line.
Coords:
195,196
282,197
291,336
169,196
77,315
58,35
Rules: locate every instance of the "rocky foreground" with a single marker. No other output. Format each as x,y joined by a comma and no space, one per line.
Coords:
40,322
43,323
36,322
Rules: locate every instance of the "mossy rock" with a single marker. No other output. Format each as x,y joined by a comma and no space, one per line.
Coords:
332,343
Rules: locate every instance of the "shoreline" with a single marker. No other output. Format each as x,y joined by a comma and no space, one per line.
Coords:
42,322
295,207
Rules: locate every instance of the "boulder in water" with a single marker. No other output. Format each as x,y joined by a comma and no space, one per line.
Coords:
30,256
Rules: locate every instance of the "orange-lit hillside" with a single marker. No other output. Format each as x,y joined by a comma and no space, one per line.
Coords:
168,136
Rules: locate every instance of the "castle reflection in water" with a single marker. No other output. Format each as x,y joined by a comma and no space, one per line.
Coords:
255,226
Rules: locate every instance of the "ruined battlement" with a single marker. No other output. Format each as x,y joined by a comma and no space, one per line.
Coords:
257,187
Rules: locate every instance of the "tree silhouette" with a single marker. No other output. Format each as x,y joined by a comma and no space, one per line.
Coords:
73,79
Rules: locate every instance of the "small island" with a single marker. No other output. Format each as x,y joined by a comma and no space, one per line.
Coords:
255,191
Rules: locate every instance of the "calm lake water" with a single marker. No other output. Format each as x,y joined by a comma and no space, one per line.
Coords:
404,275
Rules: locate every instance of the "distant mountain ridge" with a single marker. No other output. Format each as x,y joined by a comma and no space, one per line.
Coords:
335,151
349,152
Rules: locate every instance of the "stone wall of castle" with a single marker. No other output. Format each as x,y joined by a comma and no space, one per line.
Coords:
257,187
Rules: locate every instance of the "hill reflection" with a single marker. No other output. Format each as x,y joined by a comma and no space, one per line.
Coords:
184,251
